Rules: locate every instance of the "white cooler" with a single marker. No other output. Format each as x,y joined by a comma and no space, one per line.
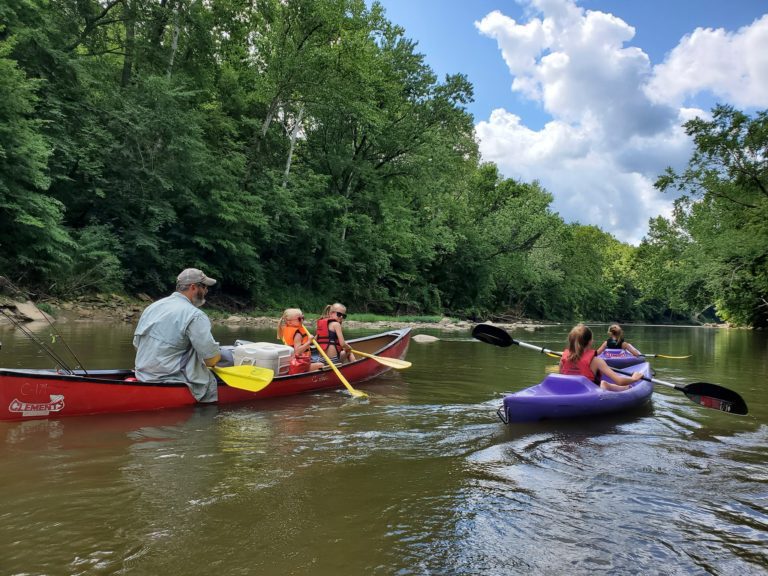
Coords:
277,357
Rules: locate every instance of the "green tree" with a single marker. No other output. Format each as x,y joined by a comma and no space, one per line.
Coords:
722,221
33,243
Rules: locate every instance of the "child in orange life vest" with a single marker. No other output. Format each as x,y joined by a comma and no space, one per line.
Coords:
616,341
329,334
579,359
290,329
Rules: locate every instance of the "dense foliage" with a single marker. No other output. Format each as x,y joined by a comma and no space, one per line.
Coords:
302,151
713,252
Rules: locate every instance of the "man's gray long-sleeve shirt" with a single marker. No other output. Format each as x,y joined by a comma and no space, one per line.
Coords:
172,340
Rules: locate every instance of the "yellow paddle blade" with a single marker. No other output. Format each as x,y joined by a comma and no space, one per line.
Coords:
395,363
251,378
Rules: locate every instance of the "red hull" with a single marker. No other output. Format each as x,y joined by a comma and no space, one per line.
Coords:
29,394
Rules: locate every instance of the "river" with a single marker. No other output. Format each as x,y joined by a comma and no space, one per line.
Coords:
421,478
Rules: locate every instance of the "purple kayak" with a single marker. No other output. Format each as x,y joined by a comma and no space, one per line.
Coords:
560,396
620,358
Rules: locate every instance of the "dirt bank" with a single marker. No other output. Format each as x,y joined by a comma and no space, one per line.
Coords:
115,308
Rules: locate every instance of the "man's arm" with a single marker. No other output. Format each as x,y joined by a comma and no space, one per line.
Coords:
202,341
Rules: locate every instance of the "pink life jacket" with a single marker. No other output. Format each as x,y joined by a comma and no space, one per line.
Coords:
580,368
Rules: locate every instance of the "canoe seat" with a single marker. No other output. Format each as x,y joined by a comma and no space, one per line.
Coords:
560,385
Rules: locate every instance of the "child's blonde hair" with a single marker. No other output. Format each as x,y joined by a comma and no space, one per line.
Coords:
288,314
578,339
327,310
616,332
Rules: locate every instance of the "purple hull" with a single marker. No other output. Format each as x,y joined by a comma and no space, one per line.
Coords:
620,358
559,396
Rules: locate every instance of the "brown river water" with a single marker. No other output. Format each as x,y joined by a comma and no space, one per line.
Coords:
421,478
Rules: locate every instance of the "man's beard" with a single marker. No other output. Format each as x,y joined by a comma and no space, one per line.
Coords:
198,301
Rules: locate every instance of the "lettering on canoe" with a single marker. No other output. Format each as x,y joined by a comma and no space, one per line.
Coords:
38,408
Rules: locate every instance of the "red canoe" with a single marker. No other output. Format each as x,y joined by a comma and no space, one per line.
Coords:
29,394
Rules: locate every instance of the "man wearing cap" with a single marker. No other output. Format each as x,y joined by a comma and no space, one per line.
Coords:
173,338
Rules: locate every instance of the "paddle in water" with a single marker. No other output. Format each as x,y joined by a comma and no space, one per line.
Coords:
702,393
352,391
395,363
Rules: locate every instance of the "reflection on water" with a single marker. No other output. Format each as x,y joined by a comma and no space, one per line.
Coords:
421,479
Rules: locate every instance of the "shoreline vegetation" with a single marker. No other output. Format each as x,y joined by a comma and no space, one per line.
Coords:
118,308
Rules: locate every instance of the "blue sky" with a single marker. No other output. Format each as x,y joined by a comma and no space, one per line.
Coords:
587,96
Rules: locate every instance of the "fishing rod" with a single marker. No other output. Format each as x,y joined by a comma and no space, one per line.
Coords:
43,346
56,332
13,287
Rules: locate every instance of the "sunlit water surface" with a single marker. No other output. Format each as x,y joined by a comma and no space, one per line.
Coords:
422,478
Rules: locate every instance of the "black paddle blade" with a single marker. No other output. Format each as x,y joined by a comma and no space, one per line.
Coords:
717,397
492,335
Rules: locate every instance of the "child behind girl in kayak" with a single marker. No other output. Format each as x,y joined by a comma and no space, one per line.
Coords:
291,330
616,341
579,359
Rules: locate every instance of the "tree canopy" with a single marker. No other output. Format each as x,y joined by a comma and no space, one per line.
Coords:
303,151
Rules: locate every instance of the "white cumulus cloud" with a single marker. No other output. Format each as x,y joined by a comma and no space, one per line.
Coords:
615,118
733,66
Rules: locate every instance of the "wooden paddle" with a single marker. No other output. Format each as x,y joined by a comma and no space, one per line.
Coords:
702,393
352,391
251,378
395,363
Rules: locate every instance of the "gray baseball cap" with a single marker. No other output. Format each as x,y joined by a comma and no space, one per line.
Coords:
194,276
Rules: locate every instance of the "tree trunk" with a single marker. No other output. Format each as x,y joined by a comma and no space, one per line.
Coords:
294,133
174,41
347,192
256,145
130,33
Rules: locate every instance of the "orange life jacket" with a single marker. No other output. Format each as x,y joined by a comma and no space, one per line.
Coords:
580,368
289,335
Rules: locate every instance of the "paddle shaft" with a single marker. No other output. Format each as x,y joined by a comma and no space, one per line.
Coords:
355,393
622,372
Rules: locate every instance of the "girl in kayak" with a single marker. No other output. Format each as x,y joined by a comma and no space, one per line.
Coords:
579,359
290,329
330,335
616,341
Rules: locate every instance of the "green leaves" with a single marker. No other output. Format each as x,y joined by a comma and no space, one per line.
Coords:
32,239
305,147
715,249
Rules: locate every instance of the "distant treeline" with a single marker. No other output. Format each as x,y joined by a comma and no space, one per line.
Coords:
301,151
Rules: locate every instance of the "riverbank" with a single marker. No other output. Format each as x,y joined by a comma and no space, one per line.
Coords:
116,308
